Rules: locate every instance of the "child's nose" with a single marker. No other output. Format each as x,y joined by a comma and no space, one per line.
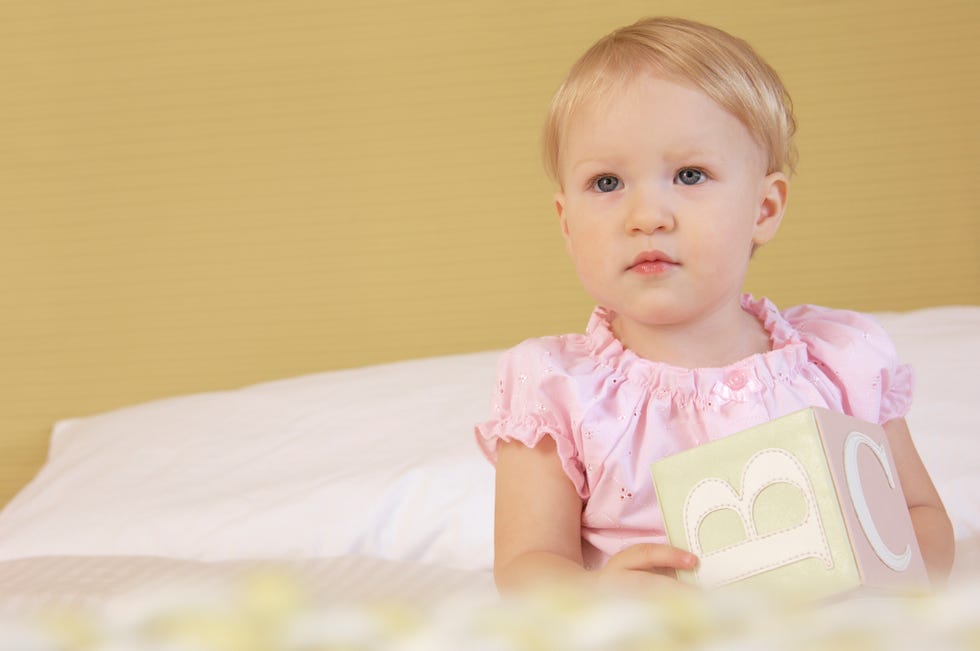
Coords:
649,211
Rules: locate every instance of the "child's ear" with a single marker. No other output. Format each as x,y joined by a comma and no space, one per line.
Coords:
775,188
563,222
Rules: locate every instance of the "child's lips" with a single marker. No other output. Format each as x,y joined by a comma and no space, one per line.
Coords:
652,262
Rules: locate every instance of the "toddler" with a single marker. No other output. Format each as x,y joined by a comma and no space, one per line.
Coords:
671,143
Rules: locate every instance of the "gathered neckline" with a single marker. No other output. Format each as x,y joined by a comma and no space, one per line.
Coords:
787,354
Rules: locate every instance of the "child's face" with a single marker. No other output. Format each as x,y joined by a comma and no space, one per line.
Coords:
663,195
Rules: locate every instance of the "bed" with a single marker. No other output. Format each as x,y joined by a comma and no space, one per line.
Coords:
353,508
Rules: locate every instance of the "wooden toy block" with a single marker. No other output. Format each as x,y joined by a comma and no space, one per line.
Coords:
809,502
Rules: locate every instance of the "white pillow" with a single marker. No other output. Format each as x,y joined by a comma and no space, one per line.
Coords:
943,347
378,461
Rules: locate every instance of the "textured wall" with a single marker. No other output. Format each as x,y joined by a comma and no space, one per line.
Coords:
199,194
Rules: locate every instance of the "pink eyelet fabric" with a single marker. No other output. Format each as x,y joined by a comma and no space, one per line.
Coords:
612,413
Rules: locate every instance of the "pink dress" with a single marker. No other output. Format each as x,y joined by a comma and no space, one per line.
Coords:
612,413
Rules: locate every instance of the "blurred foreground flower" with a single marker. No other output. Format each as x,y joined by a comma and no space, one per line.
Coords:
277,610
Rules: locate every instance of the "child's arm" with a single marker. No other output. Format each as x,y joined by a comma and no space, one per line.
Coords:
932,527
537,528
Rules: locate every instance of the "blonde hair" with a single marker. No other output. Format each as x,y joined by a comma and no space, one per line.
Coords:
722,66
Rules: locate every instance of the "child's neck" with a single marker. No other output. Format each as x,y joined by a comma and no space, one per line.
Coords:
714,342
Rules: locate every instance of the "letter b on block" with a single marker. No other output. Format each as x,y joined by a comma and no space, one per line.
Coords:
809,503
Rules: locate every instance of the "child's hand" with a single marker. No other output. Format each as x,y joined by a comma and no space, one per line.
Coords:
645,567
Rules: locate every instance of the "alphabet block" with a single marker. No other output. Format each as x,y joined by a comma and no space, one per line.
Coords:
810,503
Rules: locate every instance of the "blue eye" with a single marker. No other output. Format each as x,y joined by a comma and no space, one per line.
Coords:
606,183
690,176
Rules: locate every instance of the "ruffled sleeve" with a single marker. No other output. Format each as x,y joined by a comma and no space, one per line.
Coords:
855,353
530,402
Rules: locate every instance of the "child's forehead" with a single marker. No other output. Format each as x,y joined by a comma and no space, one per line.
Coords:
656,113
632,93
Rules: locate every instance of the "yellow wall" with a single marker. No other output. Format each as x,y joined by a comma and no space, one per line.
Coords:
200,194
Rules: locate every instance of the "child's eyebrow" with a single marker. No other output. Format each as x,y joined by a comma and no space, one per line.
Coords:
594,161
672,155
692,152
702,156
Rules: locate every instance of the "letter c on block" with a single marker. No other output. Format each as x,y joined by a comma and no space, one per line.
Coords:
897,562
